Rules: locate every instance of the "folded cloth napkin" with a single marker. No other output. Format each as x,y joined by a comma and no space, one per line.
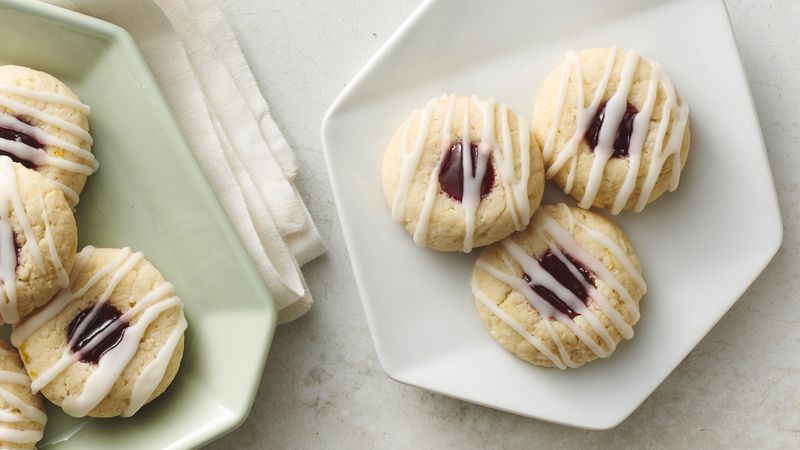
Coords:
197,61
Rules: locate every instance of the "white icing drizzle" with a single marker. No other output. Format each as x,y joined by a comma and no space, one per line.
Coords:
421,231
560,241
409,159
45,96
8,267
672,106
27,412
10,200
86,163
516,326
674,111
503,153
69,193
20,436
153,373
63,276
111,365
24,330
21,108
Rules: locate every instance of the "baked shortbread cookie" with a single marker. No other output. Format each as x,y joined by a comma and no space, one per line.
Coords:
450,199
22,413
110,342
562,292
44,126
38,240
613,130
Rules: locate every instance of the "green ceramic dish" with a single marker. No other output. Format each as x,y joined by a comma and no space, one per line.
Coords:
151,195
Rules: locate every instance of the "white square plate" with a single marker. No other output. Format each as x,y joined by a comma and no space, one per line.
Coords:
700,246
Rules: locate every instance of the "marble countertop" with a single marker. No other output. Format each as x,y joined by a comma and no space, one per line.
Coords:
323,387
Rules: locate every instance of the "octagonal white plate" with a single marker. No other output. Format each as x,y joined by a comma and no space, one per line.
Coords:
700,246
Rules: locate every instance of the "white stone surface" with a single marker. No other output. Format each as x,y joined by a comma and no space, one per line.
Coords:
323,387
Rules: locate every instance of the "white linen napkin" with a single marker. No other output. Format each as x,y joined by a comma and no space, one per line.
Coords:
196,60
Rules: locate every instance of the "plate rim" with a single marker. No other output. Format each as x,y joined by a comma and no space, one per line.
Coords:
337,107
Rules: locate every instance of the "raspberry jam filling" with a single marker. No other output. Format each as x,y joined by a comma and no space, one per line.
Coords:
105,316
18,136
622,141
451,173
9,252
553,265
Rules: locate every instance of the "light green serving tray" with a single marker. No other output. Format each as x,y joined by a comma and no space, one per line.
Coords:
151,195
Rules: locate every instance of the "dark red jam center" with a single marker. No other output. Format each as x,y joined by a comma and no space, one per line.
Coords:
103,318
18,136
622,140
451,175
553,265
17,248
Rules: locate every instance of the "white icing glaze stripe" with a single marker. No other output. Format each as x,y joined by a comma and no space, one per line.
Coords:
10,194
489,148
619,254
566,242
45,96
12,123
10,200
679,114
542,277
641,125
117,278
26,410
63,276
516,326
563,243
25,329
69,193
673,111
584,115
39,157
21,108
614,111
431,193
20,436
470,198
409,159
599,299
154,372
21,379
8,268
111,365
